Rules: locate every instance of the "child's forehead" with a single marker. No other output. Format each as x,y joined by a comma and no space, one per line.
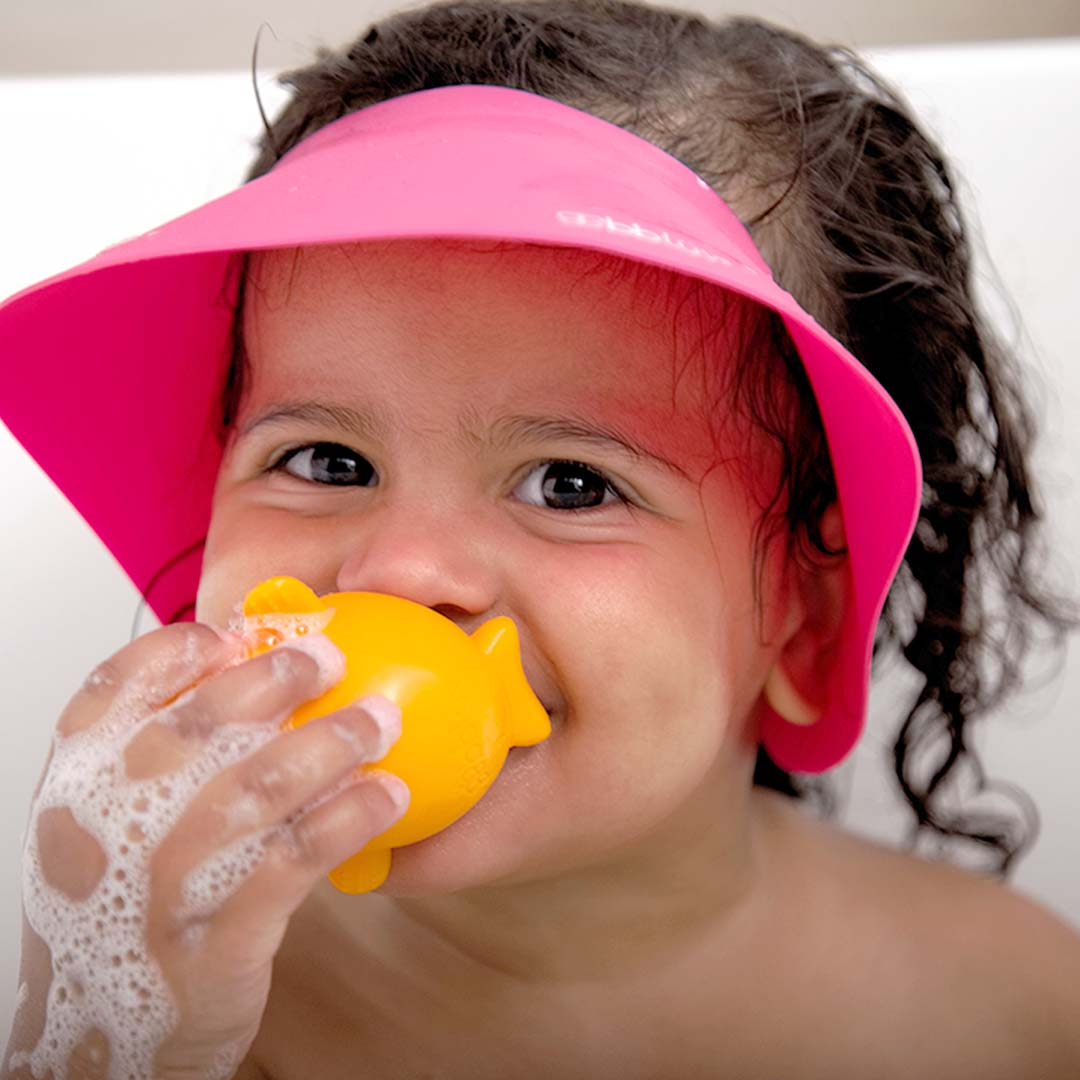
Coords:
479,266
542,299
519,325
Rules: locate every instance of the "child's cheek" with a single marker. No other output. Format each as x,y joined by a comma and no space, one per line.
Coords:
247,542
211,603
640,615
230,567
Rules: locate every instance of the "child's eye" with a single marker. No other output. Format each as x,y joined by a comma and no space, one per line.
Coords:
327,463
557,485
567,485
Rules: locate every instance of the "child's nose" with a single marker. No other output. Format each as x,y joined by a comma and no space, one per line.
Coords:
440,559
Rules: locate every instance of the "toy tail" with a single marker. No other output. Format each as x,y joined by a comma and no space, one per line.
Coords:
529,722
362,872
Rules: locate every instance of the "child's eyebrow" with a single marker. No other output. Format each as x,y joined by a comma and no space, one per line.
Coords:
363,424
501,433
507,430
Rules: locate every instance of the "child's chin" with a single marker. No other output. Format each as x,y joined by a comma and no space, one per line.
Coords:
486,846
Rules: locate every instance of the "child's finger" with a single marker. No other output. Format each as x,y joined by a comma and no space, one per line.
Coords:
218,962
149,672
295,857
263,791
259,691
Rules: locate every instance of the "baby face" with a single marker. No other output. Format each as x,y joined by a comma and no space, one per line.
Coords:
516,432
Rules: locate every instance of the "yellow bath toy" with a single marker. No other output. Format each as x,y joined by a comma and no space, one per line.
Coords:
464,700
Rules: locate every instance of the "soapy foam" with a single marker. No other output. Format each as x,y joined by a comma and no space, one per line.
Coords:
98,678
21,998
103,974
217,877
286,624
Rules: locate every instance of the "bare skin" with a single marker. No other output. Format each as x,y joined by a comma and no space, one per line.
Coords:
850,962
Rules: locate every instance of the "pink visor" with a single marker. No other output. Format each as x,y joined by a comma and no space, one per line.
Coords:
127,352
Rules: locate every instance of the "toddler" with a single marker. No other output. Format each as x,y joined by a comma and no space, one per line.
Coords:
656,336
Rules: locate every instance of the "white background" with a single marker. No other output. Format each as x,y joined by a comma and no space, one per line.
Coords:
67,37
89,161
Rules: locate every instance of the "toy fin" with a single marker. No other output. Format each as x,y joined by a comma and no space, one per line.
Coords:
362,872
281,594
528,722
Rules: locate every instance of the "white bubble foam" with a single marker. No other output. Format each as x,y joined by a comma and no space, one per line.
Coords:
103,974
227,1060
216,878
282,667
98,678
287,624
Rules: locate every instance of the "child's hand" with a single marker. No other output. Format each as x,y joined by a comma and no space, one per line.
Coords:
173,835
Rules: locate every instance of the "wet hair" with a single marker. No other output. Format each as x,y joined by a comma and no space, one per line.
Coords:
853,207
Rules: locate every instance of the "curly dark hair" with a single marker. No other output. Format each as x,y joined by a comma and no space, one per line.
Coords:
853,207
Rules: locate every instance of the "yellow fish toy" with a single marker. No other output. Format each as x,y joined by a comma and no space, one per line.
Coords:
464,700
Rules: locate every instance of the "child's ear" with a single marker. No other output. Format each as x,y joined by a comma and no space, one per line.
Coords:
818,595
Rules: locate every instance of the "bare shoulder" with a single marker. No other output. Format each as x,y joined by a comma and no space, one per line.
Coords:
970,963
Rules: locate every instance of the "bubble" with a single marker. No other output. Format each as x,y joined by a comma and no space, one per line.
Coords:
104,979
266,631
282,668
208,885
98,678
265,638
194,933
